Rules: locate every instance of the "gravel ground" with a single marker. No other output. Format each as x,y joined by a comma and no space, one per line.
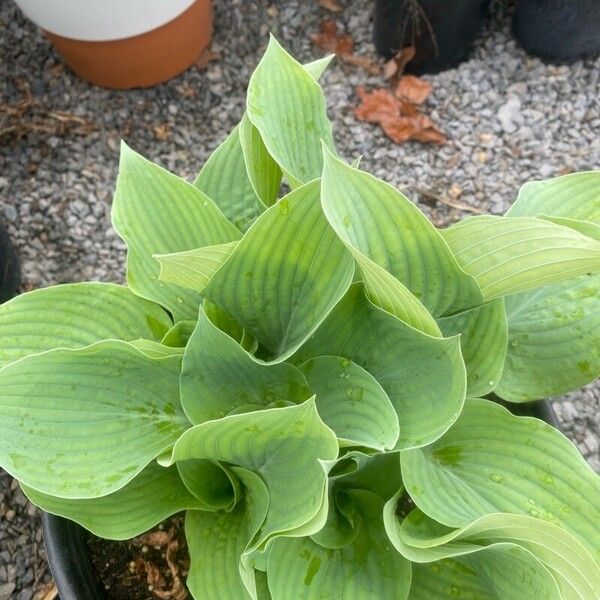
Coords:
509,118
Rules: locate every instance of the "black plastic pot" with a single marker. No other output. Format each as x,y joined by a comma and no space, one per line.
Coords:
441,31
10,273
558,30
66,542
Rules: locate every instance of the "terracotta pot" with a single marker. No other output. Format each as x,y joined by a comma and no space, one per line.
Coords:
130,44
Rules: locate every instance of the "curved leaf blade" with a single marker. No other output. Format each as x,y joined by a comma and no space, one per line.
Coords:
507,256
554,340
379,222
126,513
285,275
401,359
83,423
352,403
76,315
287,107
483,341
493,461
219,376
156,212
283,446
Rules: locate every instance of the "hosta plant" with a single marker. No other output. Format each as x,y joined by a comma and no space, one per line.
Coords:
306,374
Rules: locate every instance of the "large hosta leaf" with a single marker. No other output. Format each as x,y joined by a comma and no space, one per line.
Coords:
483,342
379,222
83,423
76,315
586,227
554,340
218,540
156,212
424,377
352,402
568,565
576,196
127,512
225,180
287,106
282,445
219,376
285,275
367,567
507,256
492,461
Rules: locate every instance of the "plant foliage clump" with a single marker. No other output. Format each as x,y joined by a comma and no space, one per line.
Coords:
305,375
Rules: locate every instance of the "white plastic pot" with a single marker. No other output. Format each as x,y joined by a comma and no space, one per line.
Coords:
101,20
125,43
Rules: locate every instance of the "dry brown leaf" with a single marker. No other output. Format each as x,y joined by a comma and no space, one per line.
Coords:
46,592
153,576
330,5
154,538
162,132
206,57
396,65
177,591
331,41
399,119
342,45
413,89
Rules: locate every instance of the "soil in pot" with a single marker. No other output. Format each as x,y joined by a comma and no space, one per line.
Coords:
10,273
441,32
150,567
557,30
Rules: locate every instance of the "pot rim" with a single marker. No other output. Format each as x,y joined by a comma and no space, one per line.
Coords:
66,541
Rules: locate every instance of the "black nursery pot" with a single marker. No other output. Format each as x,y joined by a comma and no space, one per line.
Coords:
558,30
441,31
10,273
69,557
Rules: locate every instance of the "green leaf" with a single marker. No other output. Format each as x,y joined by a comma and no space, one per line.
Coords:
83,423
287,106
492,461
317,67
154,349
193,269
225,179
447,580
483,342
380,223
213,485
283,446
592,230
217,541
156,212
352,403
483,576
179,335
507,256
263,172
424,377
285,275
219,376
127,512
576,196
568,563
366,568
554,340
75,315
